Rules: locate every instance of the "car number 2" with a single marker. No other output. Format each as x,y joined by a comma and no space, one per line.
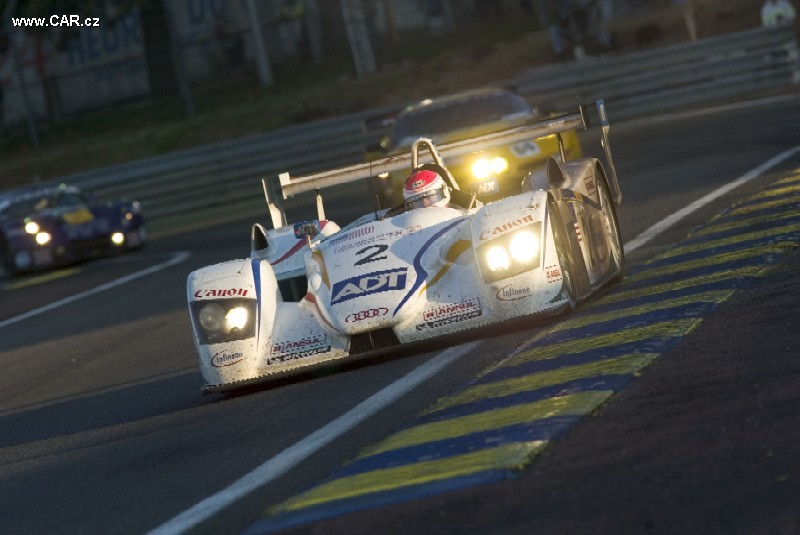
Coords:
372,256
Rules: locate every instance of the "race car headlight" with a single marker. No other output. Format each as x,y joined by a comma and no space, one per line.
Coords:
118,238
236,318
524,247
483,168
43,238
510,254
211,316
497,259
224,320
31,227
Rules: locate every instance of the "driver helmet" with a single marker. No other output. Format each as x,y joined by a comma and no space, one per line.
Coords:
424,189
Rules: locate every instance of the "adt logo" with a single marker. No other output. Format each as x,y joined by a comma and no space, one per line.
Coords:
371,283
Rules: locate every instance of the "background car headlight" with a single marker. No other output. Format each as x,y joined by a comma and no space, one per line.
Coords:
43,238
118,238
31,227
483,168
510,254
223,320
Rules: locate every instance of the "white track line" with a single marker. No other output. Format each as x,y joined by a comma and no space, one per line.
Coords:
293,455
666,117
670,220
177,258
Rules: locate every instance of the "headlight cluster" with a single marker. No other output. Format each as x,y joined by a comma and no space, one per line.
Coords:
42,237
224,320
510,254
484,168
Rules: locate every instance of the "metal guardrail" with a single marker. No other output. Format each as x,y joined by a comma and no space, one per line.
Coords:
671,77
635,84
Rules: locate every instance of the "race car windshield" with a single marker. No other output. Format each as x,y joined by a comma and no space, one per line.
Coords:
26,206
20,208
457,115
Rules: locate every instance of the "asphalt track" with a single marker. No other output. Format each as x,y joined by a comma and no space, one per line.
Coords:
103,429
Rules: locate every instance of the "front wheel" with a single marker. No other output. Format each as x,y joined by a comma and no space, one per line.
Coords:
21,262
573,270
612,235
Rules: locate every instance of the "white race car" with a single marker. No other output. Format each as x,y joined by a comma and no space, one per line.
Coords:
312,293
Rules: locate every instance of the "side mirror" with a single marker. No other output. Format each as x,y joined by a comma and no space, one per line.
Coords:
306,228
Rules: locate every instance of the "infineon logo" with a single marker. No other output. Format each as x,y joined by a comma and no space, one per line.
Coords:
371,283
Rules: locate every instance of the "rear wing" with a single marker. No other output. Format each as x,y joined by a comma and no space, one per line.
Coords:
290,186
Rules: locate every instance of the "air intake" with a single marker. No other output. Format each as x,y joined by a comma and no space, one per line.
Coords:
363,342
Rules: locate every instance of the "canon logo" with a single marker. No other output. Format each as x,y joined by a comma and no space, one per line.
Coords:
223,292
366,314
505,227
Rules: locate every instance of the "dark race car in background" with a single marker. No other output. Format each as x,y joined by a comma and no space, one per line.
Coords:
46,226
491,174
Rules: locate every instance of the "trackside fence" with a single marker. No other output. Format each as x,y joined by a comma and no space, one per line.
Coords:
635,84
672,77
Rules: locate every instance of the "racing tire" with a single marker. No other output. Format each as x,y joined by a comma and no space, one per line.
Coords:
612,234
142,232
573,268
20,262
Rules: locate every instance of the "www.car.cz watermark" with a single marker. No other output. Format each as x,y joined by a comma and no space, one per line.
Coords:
75,21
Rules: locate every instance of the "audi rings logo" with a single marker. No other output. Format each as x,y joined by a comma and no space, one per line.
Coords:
366,314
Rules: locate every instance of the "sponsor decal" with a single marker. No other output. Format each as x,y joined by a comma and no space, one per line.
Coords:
417,184
371,283
298,349
590,185
451,313
220,292
487,187
357,232
366,314
509,293
573,216
390,235
298,355
222,359
505,227
553,274
289,346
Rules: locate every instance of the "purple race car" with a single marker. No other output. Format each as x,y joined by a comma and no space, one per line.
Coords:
46,226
